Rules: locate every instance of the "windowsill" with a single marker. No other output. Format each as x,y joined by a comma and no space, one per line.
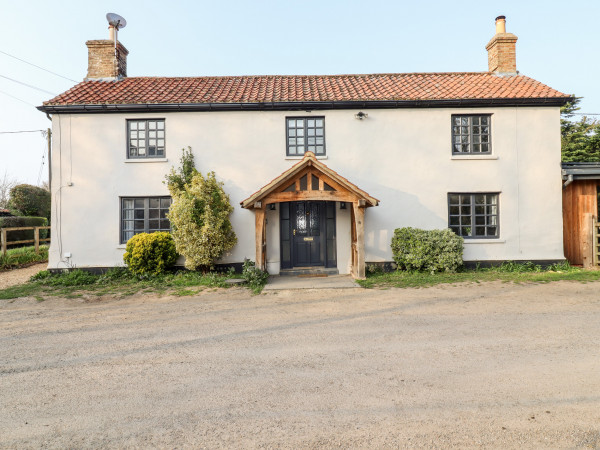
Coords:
145,160
301,157
474,157
485,241
123,246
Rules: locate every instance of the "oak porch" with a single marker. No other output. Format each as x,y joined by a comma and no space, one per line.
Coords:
310,179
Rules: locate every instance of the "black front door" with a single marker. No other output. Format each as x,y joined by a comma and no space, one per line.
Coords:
308,233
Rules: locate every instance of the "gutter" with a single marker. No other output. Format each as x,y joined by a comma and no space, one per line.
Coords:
299,106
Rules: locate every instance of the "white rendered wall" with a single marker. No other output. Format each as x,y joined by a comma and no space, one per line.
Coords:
402,157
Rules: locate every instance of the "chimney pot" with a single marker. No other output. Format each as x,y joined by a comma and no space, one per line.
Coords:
500,24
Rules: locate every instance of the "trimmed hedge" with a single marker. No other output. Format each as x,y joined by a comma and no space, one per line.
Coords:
427,250
10,222
31,201
150,253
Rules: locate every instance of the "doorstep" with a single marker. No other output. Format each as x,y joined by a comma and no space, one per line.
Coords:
278,282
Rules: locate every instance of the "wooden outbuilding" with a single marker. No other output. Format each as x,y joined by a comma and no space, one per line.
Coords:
581,189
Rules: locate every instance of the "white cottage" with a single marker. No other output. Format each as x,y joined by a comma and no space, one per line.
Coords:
323,168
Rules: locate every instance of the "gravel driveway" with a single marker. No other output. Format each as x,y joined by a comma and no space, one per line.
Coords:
480,365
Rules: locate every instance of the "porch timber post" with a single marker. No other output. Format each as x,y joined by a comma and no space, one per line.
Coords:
259,215
359,222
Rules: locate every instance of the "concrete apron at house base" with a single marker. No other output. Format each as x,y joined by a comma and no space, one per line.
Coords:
277,282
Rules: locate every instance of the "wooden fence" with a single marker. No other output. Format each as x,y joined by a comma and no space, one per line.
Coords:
4,243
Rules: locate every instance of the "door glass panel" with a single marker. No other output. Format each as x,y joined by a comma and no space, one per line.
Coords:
300,218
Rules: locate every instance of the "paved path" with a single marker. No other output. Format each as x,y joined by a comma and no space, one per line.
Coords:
277,282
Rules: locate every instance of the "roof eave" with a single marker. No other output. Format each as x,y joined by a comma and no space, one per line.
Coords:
302,106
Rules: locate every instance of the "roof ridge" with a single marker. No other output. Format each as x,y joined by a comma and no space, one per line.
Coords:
382,74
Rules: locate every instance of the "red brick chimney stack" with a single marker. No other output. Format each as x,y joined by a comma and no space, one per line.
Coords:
502,58
104,61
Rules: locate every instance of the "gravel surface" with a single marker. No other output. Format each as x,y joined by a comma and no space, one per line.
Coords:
20,276
491,365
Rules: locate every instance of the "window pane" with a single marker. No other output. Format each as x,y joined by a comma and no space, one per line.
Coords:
154,202
152,125
139,213
292,132
310,123
165,202
161,125
153,225
320,150
479,199
300,123
300,132
153,214
133,125
128,203
319,123
465,220
453,199
492,231
142,125
485,120
139,225
139,203
164,224
479,231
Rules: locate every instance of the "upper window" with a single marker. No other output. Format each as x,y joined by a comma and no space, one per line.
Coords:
144,215
471,135
474,215
305,134
146,138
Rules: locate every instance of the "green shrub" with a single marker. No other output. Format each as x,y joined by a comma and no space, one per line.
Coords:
23,235
150,253
199,215
255,277
30,200
428,250
22,256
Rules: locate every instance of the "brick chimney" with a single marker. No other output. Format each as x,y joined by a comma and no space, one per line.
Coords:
105,62
502,58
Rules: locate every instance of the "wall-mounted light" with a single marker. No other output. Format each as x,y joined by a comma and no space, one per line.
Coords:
361,115
342,205
272,207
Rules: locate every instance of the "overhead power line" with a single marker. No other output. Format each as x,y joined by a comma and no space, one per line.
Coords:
39,67
17,98
28,85
22,131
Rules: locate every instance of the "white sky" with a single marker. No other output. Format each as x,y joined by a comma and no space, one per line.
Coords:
557,45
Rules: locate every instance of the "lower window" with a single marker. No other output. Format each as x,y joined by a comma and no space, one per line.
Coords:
143,215
474,215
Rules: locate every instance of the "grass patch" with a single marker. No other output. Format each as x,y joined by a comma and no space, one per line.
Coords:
117,281
17,257
507,272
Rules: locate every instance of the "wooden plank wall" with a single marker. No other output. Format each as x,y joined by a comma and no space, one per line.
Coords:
579,197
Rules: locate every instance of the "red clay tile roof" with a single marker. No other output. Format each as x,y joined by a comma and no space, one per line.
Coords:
305,88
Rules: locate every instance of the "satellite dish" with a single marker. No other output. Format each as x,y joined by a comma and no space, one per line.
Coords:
116,20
